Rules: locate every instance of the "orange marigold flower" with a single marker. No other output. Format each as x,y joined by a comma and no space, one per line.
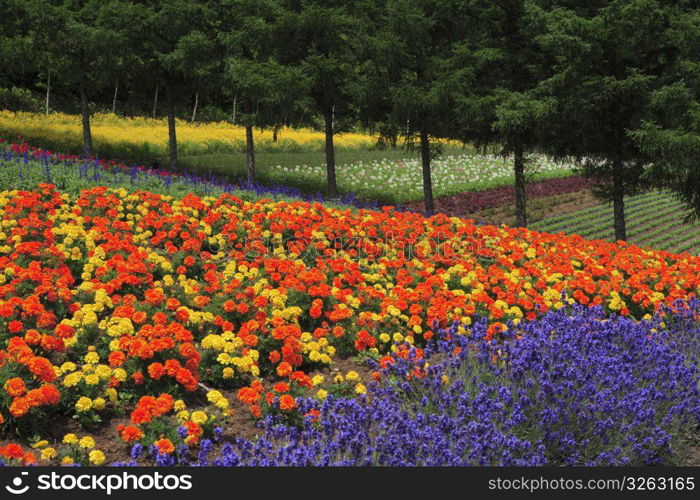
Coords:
248,395
15,326
287,403
284,369
15,387
156,370
130,433
281,387
12,450
116,358
19,407
138,378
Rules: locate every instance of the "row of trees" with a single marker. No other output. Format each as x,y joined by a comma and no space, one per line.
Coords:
614,83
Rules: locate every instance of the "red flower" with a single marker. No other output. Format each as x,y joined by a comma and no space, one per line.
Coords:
12,450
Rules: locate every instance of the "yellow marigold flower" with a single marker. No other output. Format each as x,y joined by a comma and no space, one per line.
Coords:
90,318
179,405
96,457
360,389
87,442
352,376
83,404
66,461
214,396
321,394
72,379
199,417
103,371
99,403
68,367
111,393
70,438
92,379
48,453
92,357
228,372
317,379
338,379
120,374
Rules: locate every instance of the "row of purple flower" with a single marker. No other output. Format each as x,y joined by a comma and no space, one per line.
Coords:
103,172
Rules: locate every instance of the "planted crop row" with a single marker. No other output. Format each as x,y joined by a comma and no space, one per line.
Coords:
653,219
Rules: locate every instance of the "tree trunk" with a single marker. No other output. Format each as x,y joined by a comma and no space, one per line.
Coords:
330,153
618,196
520,205
250,153
274,134
172,137
194,111
114,100
85,113
155,103
425,160
233,119
48,92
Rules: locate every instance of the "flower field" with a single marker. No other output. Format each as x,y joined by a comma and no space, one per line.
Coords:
142,138
147,323
386,180
521,410
401,181
24,166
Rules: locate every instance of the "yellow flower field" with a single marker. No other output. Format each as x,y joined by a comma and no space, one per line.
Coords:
145,137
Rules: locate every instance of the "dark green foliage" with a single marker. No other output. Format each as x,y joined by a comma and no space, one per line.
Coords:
670,133
612,60
502,104
269,93
407,86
